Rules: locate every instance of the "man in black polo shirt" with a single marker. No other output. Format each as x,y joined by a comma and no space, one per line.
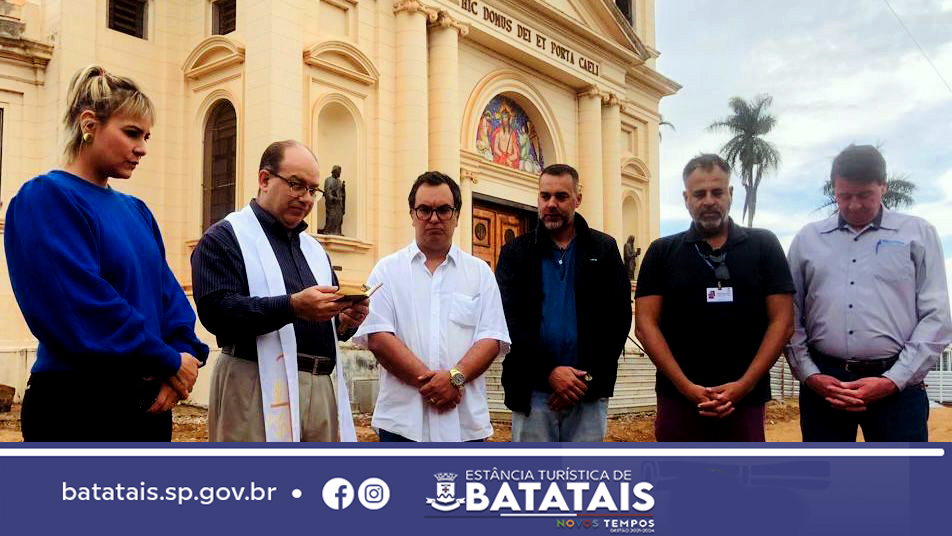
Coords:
714,308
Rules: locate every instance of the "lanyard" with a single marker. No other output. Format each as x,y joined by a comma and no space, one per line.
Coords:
720,271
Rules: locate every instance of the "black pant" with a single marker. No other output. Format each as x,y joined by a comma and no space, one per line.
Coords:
902,416
79,406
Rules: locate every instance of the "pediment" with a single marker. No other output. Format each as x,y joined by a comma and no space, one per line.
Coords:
569,8
213,54
342,58
604,19
635,168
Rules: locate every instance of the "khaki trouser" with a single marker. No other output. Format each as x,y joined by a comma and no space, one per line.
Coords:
234,406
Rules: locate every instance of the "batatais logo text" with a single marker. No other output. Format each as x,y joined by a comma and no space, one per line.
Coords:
543,490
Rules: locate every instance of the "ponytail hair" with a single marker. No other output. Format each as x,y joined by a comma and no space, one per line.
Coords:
104,94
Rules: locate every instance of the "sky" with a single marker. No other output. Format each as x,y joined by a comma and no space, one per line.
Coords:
839,72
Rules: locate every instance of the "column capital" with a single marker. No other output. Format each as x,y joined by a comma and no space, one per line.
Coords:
415,6
468,175
446,21
591,91
611,99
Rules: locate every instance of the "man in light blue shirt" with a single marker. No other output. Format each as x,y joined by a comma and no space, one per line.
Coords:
872,311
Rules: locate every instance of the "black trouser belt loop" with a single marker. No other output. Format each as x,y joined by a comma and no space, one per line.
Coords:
860,367
312,364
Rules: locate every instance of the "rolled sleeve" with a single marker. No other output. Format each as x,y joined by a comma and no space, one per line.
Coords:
382,316
492,319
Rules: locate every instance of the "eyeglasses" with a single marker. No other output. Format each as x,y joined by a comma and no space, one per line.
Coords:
298,188
424,213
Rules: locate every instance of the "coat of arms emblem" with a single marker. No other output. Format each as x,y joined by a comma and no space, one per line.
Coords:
445,500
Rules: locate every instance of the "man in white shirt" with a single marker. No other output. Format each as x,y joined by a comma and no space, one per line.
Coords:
435,326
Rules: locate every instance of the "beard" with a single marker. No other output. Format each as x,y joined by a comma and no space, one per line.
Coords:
710,222
554,222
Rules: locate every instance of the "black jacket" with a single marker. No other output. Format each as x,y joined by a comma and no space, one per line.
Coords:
603,310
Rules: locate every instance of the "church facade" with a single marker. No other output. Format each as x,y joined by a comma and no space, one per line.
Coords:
487,91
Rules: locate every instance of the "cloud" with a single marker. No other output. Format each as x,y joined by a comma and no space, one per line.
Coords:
839,72
938,210
858,103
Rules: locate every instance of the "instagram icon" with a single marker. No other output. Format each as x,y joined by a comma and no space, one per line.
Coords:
373,493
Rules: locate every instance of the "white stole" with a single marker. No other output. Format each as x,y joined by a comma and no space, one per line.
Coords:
277,351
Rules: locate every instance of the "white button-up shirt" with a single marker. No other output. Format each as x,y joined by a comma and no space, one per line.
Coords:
439,317
869,294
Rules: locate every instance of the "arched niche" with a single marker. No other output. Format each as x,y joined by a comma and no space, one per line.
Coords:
506,135
338,140
517,88
629,218
634,218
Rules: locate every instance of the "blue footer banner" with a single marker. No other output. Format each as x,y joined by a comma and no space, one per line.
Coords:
498,490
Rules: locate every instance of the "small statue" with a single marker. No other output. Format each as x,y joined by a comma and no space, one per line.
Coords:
335,199
631,257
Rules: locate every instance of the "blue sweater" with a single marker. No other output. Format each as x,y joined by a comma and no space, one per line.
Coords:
87,265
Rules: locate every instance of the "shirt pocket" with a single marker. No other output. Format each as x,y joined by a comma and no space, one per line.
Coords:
893,261
464,310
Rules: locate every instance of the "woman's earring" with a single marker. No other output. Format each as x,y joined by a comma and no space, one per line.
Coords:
87,137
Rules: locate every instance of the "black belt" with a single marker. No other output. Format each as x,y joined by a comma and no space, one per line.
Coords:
861,367
316,365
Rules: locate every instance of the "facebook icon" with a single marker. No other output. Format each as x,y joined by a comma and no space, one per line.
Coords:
338,493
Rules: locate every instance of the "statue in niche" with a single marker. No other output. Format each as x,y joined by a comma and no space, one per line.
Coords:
335,199
631,257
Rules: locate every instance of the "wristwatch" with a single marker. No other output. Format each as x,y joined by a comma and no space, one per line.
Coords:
457,378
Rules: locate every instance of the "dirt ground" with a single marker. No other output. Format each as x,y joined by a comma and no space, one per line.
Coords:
782,425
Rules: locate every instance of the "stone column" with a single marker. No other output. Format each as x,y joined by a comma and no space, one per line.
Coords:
590,156
445,116
411,116
272,78
611,165
464,231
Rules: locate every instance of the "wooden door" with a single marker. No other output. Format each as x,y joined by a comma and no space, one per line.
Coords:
484,235
494,227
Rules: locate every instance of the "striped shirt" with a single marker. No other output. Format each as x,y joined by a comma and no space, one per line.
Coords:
220,288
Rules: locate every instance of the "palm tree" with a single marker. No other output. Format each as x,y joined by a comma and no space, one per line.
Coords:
757,156
664,123
899,192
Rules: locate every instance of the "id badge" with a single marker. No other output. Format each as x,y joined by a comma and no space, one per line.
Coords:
720,295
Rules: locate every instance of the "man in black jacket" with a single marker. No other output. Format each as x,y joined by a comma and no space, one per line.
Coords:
567,301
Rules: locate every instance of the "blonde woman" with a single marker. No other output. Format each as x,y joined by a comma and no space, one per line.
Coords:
117,346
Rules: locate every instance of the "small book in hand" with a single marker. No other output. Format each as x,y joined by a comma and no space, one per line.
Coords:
355,293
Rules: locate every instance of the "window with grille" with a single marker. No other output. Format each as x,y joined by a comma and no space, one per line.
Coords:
128,16
218,185
224,15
